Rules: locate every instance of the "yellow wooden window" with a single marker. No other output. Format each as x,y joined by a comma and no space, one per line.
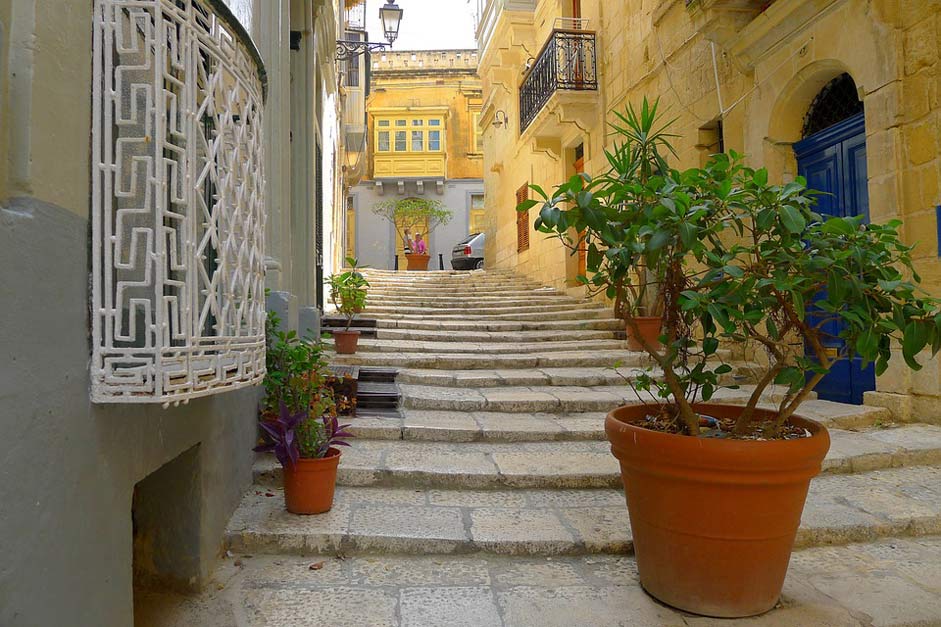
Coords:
476,222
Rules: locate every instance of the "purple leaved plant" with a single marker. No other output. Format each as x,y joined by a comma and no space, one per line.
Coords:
280,436
335,433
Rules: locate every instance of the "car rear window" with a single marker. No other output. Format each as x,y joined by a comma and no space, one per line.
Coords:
467,239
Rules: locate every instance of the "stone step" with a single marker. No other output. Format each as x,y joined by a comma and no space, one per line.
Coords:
468,291
519,377
576,464
421,315
892,582
451,426
464,361
368,345
430,335
840,509
460,300
481,426
600,324
523,399
470,309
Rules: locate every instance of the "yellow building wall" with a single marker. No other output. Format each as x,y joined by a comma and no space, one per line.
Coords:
768,68
423,84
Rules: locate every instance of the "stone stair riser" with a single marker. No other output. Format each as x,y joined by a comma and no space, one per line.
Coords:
424,335
467,361
529,316
377,346
501,327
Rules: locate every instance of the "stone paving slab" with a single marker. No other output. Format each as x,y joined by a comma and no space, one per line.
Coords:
890,583
576,463
840,509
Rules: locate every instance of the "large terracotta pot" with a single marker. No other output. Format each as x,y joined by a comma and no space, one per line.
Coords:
346,342
649,327
713,520
309,486
417,262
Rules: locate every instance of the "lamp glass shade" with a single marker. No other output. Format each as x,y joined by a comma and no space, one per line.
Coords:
391,16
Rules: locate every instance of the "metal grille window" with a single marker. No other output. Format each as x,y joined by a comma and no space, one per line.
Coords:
837,101
522,220
177,202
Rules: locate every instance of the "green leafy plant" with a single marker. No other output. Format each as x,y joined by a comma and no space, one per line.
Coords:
733,257
348,291
299,413
413,215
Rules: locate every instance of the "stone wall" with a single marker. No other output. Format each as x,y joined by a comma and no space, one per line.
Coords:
68,468
758,71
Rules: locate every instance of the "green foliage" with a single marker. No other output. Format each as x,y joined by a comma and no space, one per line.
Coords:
348,291
730,256
297,373
413,215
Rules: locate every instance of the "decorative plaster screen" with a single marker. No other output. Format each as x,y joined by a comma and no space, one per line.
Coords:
177,203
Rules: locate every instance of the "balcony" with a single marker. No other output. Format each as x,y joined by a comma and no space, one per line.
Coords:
488,14
565,64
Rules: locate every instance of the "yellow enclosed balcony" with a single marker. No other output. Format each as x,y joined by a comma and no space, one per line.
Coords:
410,143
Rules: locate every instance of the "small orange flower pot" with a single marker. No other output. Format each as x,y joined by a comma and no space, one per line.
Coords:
309,486
346,342
649,329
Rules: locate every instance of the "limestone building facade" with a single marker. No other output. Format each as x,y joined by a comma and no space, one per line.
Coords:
423,141
844,92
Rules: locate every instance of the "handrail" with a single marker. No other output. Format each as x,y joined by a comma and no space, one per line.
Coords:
566,61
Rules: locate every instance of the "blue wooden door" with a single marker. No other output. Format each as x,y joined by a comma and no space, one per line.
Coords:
834,161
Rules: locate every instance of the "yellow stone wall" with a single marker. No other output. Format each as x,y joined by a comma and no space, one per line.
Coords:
422,84
769,66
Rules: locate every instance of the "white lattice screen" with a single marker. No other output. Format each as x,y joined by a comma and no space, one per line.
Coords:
178,203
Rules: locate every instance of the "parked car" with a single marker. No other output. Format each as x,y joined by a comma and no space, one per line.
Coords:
469,253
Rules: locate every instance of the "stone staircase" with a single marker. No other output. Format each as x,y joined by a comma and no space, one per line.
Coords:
499,447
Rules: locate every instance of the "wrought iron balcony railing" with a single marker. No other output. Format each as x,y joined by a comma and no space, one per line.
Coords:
566,62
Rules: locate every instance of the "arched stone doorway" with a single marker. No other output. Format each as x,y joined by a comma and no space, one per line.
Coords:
831,155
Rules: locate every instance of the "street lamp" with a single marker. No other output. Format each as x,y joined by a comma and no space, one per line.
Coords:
391,16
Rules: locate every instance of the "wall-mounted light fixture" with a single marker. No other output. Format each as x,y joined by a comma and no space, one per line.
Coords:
500,119
391,16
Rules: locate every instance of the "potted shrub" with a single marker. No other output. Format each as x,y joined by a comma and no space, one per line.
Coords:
299,421
715,491
348,293
413,216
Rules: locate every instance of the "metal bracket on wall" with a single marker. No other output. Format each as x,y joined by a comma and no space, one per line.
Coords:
347,49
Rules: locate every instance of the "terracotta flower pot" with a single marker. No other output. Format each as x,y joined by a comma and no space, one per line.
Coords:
649,327
713,520
309,486
417,262
346,341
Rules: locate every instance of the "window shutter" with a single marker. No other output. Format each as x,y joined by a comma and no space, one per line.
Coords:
522,220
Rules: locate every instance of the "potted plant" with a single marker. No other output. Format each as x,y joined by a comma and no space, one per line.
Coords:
715,491
348,293
414,216
299,421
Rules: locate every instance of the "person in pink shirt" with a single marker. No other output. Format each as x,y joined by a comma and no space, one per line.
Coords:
421,247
